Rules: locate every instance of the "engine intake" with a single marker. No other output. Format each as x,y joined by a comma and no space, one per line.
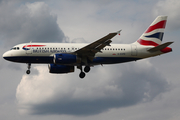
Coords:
53,68
63,58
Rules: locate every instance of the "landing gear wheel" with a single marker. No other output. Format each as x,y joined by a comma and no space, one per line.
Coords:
28,72
87,69
29,67
82,75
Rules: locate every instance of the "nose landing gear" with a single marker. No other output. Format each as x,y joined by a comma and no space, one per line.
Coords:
29,67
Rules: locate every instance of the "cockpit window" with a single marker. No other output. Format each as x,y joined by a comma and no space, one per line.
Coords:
15,48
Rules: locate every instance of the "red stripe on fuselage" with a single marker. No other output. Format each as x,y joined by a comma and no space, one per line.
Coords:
158,25
34,46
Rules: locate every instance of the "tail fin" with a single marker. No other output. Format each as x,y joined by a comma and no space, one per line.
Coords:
154,34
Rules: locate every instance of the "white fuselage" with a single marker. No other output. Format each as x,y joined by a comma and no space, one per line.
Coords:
44,52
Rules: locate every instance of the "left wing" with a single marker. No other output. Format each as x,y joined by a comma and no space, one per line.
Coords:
90,50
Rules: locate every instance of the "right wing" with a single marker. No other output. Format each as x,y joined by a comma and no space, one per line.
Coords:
90,50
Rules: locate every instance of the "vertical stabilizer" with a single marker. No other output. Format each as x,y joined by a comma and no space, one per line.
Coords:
154,34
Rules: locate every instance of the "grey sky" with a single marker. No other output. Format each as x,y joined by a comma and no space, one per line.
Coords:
113,91
28,22
146,89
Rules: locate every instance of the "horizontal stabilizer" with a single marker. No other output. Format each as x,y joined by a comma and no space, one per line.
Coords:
160,47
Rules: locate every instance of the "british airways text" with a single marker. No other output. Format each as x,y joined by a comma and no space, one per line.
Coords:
49,51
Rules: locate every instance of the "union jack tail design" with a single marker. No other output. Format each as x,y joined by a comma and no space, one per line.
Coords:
154,34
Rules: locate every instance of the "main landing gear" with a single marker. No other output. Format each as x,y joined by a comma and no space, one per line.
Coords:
86,69
29,67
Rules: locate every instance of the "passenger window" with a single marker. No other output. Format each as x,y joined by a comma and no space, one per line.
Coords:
17,48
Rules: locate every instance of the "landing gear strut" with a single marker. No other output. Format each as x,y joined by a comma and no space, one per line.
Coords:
29,67
86,69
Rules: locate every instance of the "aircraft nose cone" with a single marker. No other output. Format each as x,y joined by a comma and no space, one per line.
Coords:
5,55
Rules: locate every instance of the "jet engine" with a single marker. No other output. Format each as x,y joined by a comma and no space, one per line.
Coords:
64,58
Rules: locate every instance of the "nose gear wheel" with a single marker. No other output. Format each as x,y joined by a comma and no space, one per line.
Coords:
29,67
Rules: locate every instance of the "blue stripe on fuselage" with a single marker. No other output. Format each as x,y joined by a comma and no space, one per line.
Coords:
30,59
97,60
111,60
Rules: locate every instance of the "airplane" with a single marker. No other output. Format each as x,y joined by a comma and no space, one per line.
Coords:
64,57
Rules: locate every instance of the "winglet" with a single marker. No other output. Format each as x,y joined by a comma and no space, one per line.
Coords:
118,32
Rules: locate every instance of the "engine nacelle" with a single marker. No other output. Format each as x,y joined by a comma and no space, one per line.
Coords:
53,68
64,58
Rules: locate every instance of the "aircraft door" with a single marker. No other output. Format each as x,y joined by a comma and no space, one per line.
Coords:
133,50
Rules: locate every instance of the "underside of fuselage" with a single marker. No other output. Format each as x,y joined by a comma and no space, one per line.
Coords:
49,60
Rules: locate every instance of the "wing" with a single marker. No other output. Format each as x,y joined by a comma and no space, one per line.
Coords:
90,50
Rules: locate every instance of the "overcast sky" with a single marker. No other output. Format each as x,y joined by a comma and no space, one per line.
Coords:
143,90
